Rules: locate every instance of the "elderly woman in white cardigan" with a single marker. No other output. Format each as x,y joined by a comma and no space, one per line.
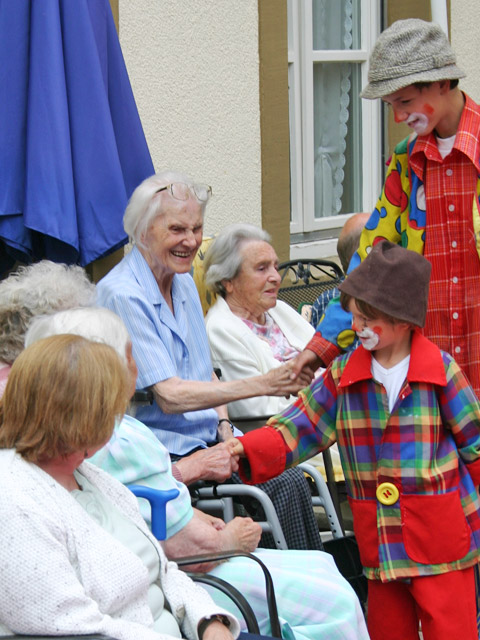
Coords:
76,556
250,332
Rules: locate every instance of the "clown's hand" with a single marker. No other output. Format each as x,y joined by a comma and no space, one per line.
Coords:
236,447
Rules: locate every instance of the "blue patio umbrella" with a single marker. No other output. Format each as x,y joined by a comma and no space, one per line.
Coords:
72,147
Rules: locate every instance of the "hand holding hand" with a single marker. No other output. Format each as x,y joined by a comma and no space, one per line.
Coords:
281,383
305,361
214,463
236,448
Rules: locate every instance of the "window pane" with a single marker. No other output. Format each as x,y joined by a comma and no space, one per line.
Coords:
336,24
337,139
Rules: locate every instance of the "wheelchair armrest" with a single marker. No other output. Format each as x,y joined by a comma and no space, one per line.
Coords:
143,396
234,594
269,588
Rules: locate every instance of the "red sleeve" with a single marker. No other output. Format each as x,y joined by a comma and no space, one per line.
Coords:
324,349
265,452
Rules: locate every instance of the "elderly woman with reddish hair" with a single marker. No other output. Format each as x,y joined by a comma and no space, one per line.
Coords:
76,555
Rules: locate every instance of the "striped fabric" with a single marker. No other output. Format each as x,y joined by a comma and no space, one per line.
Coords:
320,304
164,345
418,180
428,447
133,455
314,601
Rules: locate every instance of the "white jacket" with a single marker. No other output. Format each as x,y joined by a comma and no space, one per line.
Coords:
61,573
239,353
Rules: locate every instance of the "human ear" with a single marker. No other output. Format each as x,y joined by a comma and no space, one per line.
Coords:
227,285
444,86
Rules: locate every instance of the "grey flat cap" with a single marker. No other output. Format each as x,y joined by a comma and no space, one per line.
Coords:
409,51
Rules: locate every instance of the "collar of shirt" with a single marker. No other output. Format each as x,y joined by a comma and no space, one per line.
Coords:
467,141
426,364
144,276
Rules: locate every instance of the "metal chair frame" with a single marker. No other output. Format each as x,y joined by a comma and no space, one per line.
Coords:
308,279
304,280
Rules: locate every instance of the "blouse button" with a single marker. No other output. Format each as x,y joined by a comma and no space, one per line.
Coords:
449,172
451,207
455,315
454,244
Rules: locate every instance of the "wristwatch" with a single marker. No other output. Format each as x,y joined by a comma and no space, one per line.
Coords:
226,420
215,618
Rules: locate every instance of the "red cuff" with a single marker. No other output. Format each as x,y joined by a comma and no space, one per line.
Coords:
324,349
265,450
474,471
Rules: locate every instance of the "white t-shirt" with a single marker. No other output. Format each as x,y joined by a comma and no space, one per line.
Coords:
445,145
392,379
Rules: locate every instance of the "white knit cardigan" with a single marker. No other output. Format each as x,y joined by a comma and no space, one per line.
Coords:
239,353
61,573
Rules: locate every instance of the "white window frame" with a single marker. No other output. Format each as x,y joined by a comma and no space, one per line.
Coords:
301,60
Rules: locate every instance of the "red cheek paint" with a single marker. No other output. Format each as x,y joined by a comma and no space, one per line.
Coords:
428,109
378,331
396,118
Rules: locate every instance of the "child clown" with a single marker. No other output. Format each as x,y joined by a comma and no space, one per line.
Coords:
407,424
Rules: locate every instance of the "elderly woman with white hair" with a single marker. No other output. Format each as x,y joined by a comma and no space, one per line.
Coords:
250,332
37,289
152,290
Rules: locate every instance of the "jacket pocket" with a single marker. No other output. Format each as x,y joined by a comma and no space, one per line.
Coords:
365,527
435,529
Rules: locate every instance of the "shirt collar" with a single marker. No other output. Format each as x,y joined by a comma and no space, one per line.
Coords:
426,364
467,140
144,276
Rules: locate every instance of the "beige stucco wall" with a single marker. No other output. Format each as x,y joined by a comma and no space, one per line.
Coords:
465,39
194,71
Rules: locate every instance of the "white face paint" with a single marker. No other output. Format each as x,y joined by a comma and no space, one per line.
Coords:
368,338
418,122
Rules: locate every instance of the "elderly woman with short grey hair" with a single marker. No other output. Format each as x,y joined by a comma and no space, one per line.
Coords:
250,332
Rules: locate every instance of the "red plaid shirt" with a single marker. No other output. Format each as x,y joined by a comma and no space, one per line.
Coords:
449,236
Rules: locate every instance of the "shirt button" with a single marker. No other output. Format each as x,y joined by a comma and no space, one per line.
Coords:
457,349
449,172
451,207
454,279
454,244
455,315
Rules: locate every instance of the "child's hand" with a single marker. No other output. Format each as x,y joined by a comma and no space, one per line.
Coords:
235,447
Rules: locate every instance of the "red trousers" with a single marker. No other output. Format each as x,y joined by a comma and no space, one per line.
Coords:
445,605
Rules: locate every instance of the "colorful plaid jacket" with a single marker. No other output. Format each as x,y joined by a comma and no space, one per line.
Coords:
428,448
430,206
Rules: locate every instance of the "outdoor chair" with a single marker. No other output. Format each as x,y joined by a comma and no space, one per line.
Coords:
304,280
